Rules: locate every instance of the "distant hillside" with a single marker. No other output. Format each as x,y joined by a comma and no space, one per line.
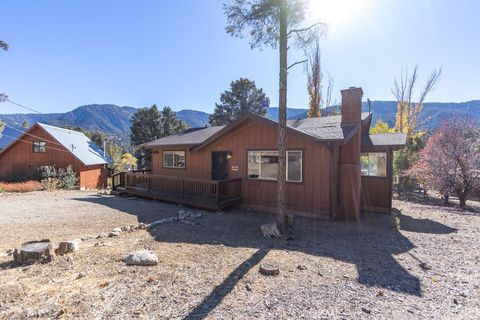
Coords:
115,120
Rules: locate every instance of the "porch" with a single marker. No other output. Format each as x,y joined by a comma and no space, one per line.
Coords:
203,194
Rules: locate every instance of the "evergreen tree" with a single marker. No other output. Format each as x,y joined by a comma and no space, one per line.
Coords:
25,124
3,45
149,124
243,96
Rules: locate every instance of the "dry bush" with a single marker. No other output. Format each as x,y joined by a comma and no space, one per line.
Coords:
51,184
27,186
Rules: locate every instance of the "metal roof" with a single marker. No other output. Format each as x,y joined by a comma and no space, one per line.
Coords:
78,144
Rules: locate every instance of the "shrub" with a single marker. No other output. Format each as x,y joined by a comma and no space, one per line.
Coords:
27,186
54,179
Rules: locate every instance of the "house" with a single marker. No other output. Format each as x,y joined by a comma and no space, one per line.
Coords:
334,167
45,145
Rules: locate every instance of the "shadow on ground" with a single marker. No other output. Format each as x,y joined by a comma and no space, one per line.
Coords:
370,243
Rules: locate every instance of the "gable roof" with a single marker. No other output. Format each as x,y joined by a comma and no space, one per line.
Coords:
190,137
78,144
75,142
323,129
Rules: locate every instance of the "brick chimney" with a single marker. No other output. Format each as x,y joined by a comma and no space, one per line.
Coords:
350,176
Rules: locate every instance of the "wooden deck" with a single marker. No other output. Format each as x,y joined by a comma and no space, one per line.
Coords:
203,194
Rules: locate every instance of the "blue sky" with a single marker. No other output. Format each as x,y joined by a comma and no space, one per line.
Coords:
64,54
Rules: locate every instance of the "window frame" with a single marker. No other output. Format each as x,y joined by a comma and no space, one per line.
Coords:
38,146
286,165
374,176
173,152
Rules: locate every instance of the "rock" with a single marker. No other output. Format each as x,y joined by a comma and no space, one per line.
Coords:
270,230
67,247
81,275
34,251
302,267
133,227
141,258
10,252
119,230
142,225
125,228
114,234
425,266
103,244
248,287
269,270
102,235
366,310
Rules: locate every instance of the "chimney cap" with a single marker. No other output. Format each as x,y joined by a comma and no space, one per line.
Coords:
352,89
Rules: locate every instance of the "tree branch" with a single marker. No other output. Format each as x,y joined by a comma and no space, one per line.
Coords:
298,62
303,29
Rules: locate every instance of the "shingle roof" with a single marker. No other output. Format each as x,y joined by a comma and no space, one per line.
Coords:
388,139
192,136
323,128
78,144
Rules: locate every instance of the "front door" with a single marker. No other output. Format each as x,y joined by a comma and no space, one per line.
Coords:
219,165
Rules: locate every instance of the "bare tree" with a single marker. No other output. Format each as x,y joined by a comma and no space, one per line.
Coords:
407,110
273,23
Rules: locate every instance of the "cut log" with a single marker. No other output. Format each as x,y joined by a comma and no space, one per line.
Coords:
269,270
270,230
34,251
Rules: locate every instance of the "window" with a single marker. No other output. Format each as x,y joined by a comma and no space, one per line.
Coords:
374,164
39,146
263,165
294,166
174,159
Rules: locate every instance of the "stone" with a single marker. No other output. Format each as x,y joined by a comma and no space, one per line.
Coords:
248,287
10,252
142,225
67,247
141,258
102,235
119,230
269,270
81,275
302,267
125,228
270,230
366,310
114,234
34,251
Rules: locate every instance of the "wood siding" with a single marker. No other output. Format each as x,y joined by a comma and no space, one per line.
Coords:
311,197
20,160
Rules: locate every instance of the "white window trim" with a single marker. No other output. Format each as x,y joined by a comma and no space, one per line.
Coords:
286,164
301,166
386,164
35,144
173,152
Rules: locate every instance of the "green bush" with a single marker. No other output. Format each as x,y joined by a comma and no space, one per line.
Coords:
59,179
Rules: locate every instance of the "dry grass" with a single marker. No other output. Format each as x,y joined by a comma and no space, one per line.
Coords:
424,266
21,187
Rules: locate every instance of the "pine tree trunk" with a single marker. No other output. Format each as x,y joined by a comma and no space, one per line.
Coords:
282,122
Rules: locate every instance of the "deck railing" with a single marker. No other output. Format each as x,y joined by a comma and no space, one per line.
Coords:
184,188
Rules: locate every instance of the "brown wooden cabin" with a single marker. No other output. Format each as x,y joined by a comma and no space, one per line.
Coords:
334,167
45,145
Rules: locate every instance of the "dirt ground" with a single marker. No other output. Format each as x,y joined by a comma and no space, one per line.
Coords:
422,262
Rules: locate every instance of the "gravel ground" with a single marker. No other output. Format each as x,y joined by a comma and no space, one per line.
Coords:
422,262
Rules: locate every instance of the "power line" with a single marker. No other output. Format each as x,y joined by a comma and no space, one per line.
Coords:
7,99
29,142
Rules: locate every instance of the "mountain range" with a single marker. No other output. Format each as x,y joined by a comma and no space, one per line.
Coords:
115,120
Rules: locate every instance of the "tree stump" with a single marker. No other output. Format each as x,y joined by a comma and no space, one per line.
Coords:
269,270
34,251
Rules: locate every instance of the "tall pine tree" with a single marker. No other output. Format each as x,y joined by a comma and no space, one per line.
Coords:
243,96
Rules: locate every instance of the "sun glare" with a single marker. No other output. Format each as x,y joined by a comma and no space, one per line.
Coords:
335,12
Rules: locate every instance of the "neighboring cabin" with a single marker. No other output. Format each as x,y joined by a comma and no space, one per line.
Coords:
45,145
334,167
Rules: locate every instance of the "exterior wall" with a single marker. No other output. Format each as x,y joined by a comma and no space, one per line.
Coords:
92,177
311,197
20,159
377,191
